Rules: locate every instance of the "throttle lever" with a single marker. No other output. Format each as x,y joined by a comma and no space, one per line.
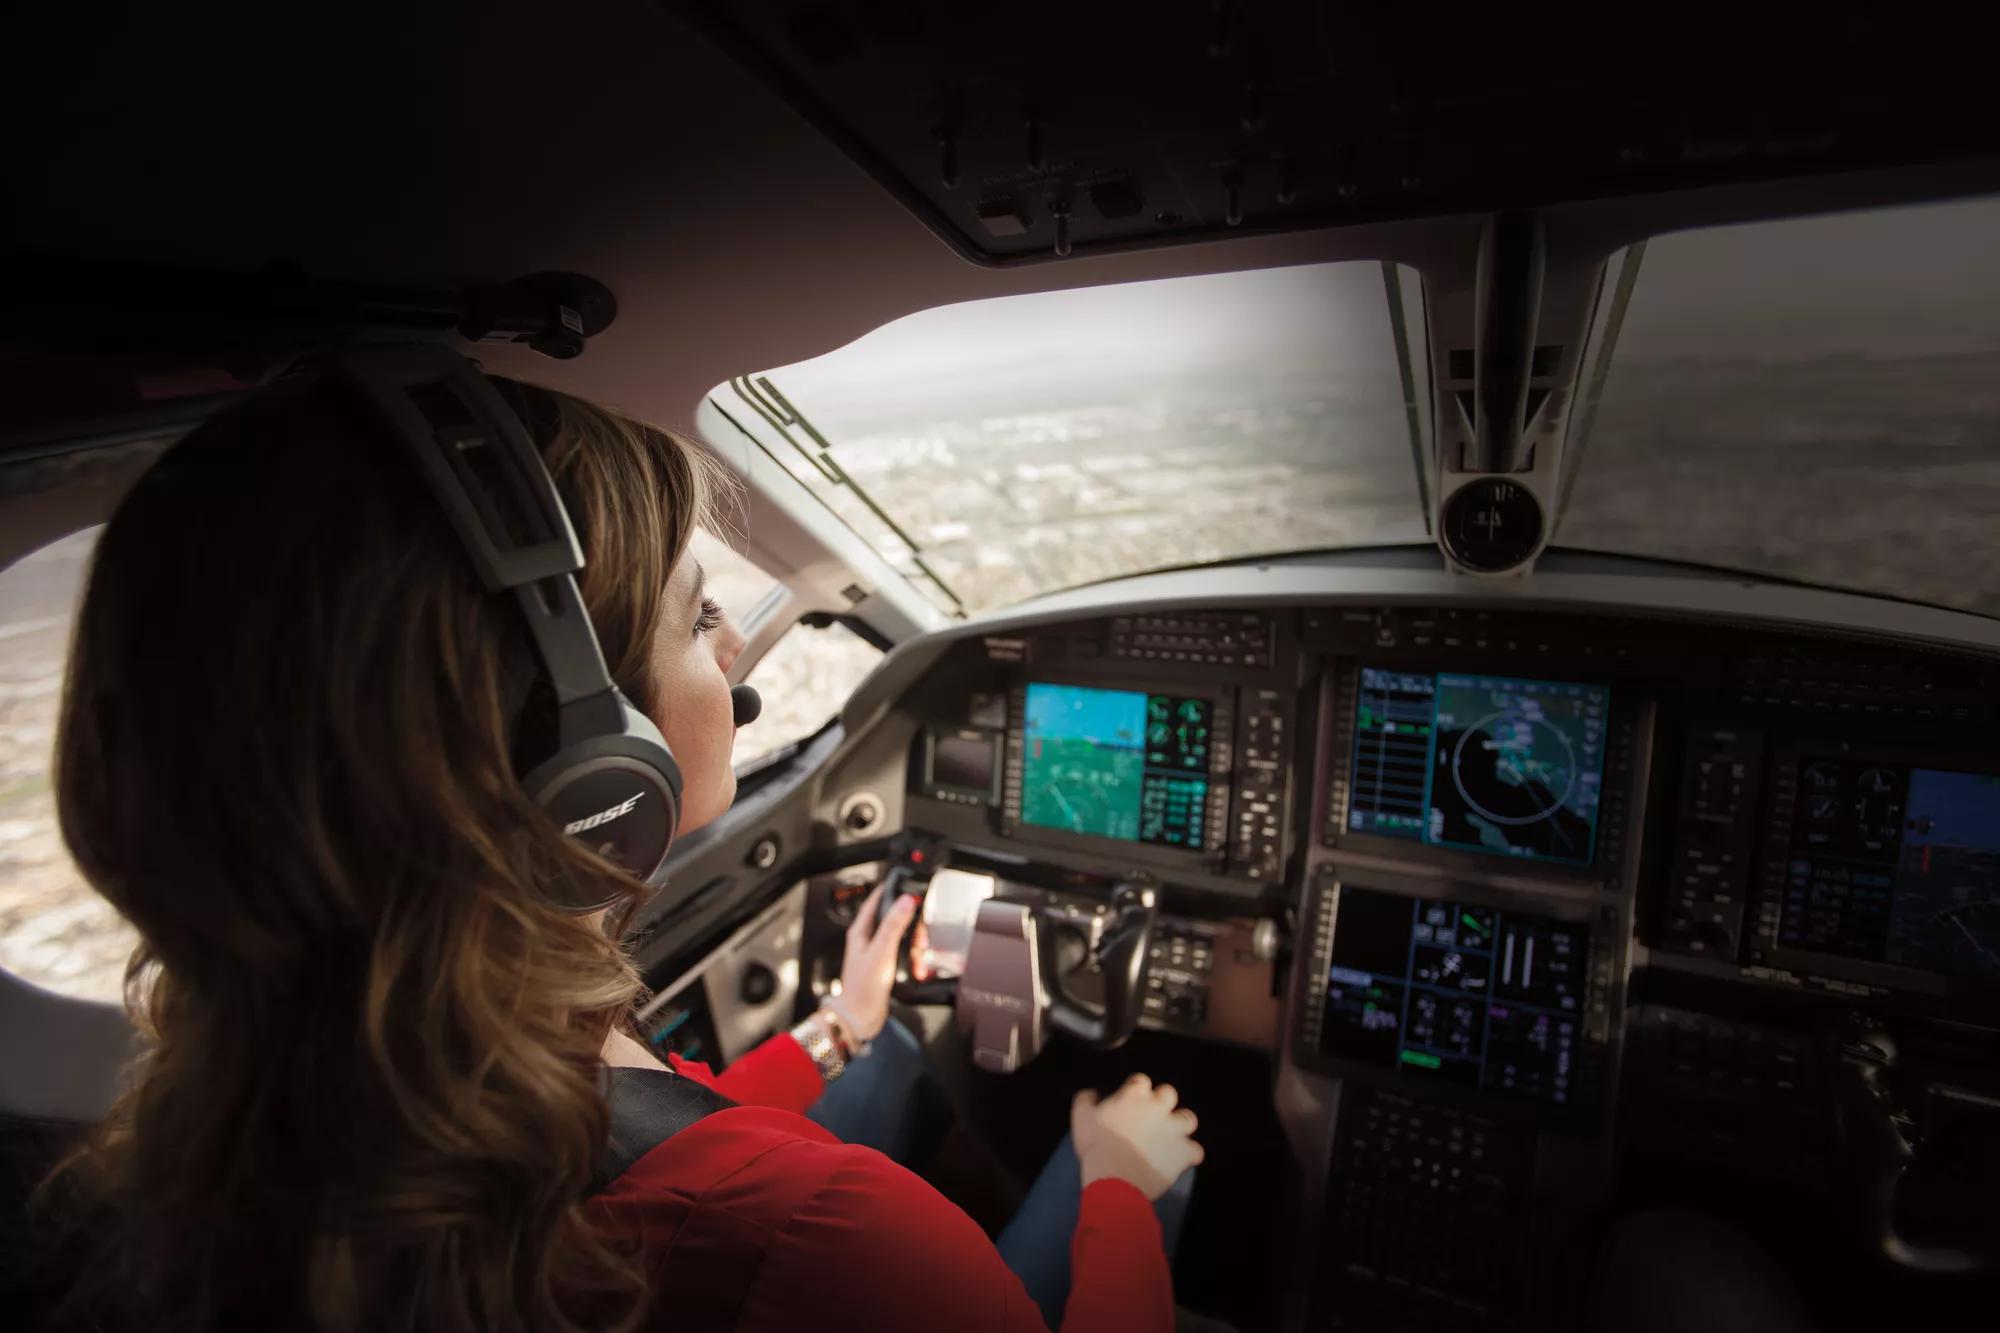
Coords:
914,858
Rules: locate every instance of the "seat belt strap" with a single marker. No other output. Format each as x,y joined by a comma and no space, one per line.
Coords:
648,1107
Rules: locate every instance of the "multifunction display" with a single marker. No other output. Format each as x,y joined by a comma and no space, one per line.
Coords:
1116,764
1895,864
1487,763
1438,989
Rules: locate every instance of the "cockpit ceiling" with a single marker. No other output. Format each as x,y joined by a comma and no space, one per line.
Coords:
441,146
1025,132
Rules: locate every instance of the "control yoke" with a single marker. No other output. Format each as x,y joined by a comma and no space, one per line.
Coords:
1924,1190
1120,959
1028,961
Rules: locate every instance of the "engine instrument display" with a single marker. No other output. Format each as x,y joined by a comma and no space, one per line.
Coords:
962,764
1895,864
1486,763
1116,764
1436,989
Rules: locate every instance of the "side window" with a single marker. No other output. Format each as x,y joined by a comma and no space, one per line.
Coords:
54,929
804,679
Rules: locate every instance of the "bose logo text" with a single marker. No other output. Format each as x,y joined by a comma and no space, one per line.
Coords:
602,816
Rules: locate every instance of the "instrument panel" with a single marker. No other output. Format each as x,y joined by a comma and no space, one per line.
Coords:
1559,893
1565,892
1808,814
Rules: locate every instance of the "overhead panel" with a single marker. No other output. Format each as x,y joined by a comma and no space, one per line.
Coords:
1032,131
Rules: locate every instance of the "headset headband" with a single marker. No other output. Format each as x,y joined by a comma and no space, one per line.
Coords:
486,474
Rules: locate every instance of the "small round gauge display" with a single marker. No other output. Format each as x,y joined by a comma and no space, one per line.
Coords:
1827,806
1879,782
1879,808
1491,525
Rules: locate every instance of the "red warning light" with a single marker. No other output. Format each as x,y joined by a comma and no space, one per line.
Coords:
916,858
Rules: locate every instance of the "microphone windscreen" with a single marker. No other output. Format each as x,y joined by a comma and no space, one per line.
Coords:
746,703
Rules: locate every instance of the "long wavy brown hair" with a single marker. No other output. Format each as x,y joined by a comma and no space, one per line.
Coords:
287,753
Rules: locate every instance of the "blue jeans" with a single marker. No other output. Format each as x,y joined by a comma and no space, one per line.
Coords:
1036,1243
889,1101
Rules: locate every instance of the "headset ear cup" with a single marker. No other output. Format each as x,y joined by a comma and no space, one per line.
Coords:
619,794
640,730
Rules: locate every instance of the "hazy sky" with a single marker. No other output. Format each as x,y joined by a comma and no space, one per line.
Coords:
1050,348
1888,282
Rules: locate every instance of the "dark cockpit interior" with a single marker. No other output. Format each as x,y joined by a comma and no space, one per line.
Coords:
1593,826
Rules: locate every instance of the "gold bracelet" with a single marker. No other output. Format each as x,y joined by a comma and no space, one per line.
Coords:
851,1044
817,1039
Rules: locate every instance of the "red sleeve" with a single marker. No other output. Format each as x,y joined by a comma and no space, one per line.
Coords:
778,1074
761,1221
1118,1262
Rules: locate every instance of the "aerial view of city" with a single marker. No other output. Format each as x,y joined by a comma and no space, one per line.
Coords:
53,929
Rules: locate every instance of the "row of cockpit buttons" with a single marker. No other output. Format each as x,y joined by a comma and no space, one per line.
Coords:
1218,640
1177,969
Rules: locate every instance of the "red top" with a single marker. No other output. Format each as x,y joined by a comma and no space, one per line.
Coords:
756,1218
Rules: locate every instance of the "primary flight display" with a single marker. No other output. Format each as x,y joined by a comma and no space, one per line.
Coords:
1116,763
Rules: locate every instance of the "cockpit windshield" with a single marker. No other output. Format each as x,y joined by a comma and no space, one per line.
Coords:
1028,443
1813,398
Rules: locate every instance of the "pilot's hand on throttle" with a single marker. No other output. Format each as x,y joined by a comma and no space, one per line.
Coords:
1139,1133
868,965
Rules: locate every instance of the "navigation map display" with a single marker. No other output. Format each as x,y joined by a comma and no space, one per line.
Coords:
1894,864
1440,989
1116,764
1488,763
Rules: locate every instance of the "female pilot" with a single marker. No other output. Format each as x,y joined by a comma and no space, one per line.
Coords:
375,1089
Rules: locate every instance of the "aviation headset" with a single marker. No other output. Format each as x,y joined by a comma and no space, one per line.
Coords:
612,782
